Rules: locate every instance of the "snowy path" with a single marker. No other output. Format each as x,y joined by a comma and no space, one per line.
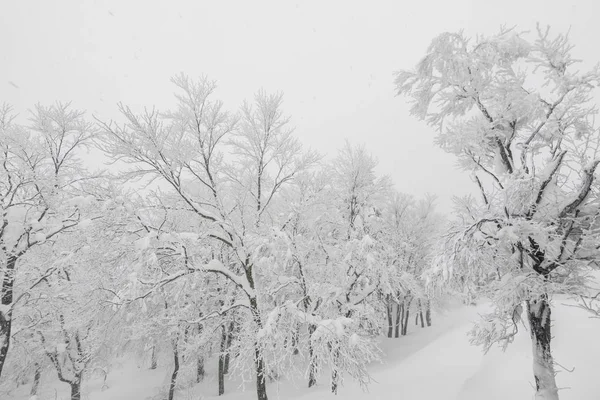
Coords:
440,364
437,369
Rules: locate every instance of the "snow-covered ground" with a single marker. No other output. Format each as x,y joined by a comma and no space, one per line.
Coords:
429,364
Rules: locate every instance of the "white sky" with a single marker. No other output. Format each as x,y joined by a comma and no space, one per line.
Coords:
333,60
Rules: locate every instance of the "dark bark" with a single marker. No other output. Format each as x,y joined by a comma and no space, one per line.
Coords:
199,369
226,362
419,314
76,388
36,380
539,314
295,340
200,359
261,382
334,381
221,371
428,314
259,364
76,373
231,332
399,319
175,372
186,333
74,383
312,367
312,380
390,318
6,301
221,374
406,308
334,372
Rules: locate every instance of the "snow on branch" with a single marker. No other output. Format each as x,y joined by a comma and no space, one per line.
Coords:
588,178
217,266
551,169
216,313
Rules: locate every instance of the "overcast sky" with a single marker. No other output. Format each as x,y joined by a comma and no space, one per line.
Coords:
334,61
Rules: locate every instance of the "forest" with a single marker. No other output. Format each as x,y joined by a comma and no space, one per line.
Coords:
216,247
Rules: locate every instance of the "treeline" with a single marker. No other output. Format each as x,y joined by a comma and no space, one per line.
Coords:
220,240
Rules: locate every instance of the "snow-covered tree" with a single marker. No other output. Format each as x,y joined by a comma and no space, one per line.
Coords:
516,113
410,233
319,312
352,253
67,320
227,181
40,195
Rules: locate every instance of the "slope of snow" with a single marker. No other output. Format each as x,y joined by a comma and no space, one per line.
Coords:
428,364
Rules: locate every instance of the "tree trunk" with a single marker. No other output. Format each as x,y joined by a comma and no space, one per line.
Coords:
76,387
390,317
186,333
200,359
406,309
334,372
221,375
295,339
539,315
261,382
175,371
428,314
76,391
221,371
226,362
228,346
334,381
399,319
104,384
36,380
312,367
153,358
199,369
419,313
6,311
259,364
